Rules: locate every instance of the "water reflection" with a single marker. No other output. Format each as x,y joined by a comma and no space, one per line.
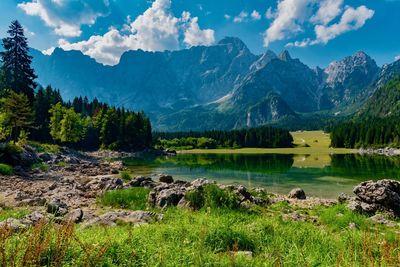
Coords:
320,175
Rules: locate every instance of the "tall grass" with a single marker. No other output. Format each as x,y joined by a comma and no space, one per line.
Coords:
132,198
202,238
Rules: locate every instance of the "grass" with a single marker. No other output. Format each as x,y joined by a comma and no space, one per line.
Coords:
212,197
41,166
132,198
317,142
125,175
6,169
206,238
48,148
12,213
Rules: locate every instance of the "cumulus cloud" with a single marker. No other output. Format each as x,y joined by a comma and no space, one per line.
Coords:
157,29
241,17
66,17
255,15
292,16
328,10
352,19
194,36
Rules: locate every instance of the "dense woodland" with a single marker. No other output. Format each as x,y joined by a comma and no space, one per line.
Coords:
376,125
263,137
28,111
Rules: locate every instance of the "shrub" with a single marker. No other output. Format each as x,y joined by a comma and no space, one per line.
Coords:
5,169
41,166
226,239
126,176
214,197
132,198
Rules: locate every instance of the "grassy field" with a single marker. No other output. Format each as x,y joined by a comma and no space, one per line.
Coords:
211,237
306,143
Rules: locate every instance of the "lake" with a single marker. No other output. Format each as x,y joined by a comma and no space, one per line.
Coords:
322,175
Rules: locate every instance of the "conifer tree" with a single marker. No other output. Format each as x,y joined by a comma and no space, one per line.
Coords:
18,73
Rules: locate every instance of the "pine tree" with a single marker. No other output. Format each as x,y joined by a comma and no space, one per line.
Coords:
19,75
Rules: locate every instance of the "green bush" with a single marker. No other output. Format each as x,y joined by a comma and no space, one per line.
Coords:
6,169
41,166
226,239
214,197
48,148
132,198
126,176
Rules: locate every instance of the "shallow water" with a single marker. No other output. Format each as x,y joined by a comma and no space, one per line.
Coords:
319,175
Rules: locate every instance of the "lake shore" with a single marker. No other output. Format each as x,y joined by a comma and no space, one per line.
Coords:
173,221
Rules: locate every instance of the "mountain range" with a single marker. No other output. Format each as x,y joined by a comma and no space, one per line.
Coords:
223,86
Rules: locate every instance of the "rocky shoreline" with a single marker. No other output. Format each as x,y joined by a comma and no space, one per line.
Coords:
68,190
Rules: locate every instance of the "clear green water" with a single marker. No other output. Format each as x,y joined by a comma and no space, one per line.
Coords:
321,176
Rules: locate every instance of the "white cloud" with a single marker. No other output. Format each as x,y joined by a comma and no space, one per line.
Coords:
328,10
194,36
255,15
227,17
157,29
352,19
397,57
293,16
66,17
290,16
270,14
241,17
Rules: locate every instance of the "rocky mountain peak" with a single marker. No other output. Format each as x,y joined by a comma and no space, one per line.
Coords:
360,63
263,60
234,42
285,56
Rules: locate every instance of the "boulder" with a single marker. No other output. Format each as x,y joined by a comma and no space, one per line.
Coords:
131,217
383,195
75,216
166,179
297,193
169,197
57,207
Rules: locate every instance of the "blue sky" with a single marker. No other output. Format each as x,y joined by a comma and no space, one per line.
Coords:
316,31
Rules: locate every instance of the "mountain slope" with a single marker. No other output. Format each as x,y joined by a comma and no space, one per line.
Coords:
346,81
384,102
222,86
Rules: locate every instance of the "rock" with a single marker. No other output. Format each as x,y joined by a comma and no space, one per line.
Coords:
45,157
75,216
166,179
57,207
141,181
201,182
169,197
383,195
380,219
297,193
34,218
131,217
343,198
12,224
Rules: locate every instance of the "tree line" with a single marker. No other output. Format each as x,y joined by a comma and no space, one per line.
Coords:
261,137
368,133
44,116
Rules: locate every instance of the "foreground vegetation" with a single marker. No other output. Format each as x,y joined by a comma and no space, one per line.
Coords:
214,236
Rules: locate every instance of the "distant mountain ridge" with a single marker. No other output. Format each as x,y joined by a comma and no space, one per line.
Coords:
223,86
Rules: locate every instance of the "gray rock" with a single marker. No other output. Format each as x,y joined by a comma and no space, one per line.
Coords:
297,193
343,198
131,217
383,195
75,216
166,179
169,197
46,157
57,207
201,182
